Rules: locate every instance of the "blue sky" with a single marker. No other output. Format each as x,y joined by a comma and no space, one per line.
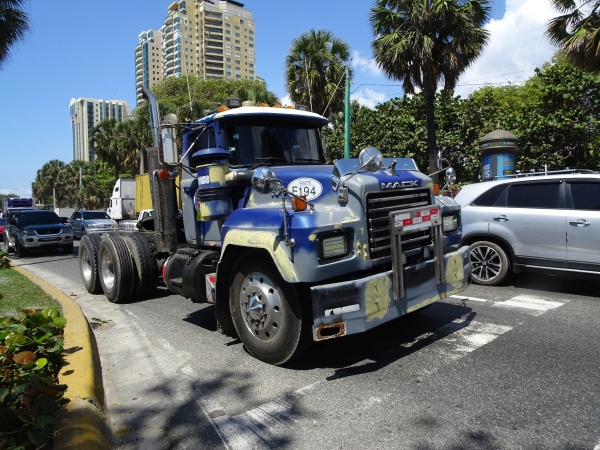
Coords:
80,48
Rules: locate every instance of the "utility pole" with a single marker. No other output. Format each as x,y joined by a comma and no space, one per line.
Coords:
347,115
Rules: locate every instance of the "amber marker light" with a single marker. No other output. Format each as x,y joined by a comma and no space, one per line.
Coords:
299,204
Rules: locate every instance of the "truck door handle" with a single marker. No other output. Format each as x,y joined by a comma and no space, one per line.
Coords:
580,223
501,218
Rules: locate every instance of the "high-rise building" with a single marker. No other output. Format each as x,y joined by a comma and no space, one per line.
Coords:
211,39
86,113
148,61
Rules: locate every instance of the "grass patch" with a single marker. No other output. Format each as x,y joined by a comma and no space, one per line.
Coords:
18,292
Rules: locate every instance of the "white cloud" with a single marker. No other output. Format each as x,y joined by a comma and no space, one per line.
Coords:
517,46
21,191
368,97
365,64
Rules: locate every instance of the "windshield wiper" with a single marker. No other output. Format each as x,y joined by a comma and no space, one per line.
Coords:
268,159
310,160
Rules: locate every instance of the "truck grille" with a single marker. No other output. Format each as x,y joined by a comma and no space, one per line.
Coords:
379,206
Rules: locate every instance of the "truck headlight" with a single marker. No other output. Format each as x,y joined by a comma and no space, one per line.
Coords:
450,223
334,246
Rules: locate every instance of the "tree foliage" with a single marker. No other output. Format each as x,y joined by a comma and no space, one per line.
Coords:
314,70
575,31
555,115
14,23
425,43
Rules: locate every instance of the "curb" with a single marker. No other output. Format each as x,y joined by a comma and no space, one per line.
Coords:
82,422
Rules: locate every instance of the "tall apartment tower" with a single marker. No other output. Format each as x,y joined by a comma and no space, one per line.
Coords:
211,39
86,113
148,61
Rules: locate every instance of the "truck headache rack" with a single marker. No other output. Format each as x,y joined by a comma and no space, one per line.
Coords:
379,207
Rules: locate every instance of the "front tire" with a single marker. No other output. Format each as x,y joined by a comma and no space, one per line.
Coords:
88,263
490,264
8,248
266,311
20,251
115,268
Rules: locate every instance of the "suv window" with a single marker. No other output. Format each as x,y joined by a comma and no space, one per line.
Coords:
91,215
490,197
38,217
585,195
533,195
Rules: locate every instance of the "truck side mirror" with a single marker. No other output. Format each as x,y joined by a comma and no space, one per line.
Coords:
264,180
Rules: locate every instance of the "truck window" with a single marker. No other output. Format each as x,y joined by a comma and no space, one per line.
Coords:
287,141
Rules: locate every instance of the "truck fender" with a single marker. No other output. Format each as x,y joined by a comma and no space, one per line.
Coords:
268,241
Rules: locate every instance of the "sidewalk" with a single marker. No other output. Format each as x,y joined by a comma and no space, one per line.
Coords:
82,423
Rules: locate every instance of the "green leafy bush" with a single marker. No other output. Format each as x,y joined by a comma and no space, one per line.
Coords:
4,260
31,346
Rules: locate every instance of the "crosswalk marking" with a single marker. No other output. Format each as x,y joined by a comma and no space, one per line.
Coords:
532,304
474,299
536,305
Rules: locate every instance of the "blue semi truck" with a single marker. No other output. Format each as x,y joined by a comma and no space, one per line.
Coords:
290,247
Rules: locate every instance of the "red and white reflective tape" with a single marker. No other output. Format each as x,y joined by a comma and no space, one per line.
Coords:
416,218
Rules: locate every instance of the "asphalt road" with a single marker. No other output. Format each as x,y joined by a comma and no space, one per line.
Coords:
506,367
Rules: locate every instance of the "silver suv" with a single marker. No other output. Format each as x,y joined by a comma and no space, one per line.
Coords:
539,222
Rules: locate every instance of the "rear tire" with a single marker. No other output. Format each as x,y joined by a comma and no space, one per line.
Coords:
490,264
115,268
88,263
266,311
146,271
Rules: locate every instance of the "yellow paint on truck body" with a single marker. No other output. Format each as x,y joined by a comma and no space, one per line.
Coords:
268,241
377,298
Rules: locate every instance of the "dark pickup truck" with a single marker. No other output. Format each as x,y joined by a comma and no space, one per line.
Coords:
35,229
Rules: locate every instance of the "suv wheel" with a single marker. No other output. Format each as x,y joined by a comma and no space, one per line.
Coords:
489,263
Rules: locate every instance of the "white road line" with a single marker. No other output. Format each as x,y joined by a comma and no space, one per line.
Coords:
467,339
536,305
473,299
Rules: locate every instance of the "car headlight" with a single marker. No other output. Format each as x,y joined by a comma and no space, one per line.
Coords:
115,224
450,223
334,246
91,226
27,233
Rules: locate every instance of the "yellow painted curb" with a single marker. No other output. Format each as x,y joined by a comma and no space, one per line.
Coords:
82,423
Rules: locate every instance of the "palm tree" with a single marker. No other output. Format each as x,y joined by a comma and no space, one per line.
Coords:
48,182
108,147
315,67
576,32
13,25
422,43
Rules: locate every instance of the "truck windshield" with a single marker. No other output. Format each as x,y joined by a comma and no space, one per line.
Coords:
254,140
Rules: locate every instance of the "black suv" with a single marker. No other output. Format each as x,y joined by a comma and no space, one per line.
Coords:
31,229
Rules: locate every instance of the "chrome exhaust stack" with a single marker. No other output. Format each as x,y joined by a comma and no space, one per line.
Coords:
163,189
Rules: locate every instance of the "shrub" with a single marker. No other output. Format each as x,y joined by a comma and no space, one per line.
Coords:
31,346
